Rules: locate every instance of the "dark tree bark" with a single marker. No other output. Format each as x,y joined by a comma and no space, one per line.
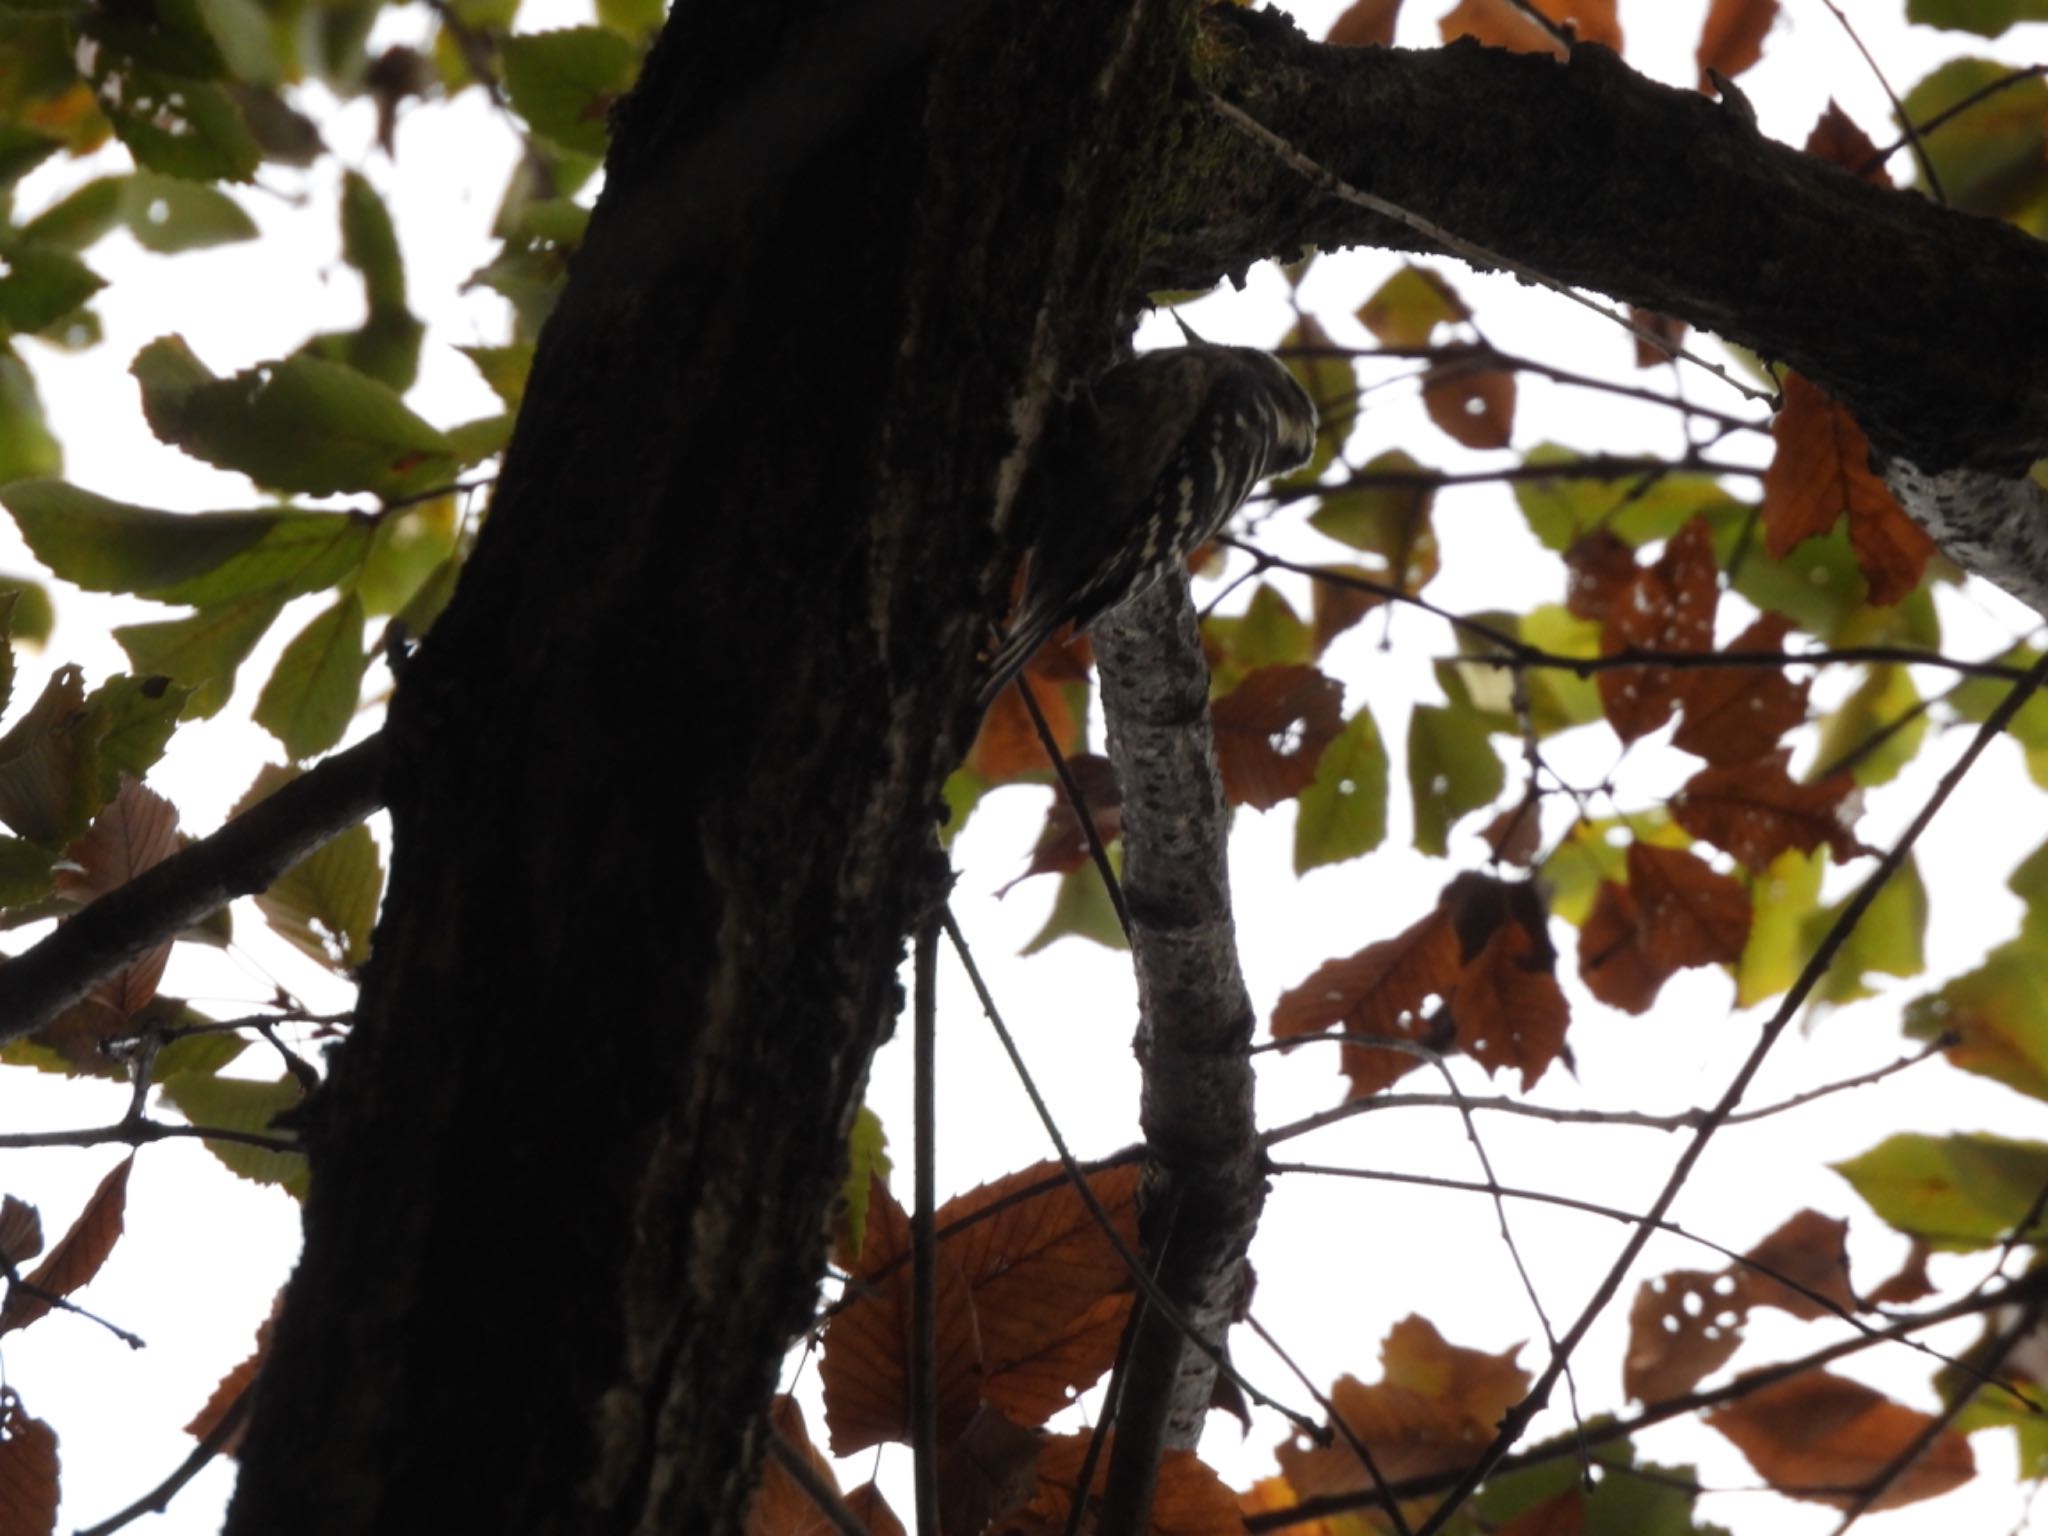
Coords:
663,778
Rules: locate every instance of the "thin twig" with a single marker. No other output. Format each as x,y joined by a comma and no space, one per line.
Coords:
823,1496
1387,1503
1078,803
158,1499
1898,106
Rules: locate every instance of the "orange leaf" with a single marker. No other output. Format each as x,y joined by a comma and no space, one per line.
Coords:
780,1507
1050,1293
1813,1250
1191,1500
1733,37
1007,747
988,1470
1611,958
1366,24
1271,730
1668,606
1434,1409
1334,606
867,1505
1824,1438
28,1470
1598,569
1735,713
1909,1284
1473,406
1562,1514
78,1254
1688,915
1381,990
1821,470
1500,25
1837,140
1683,1327
865,1367
1508,1007
233,1387
1756,811
134,831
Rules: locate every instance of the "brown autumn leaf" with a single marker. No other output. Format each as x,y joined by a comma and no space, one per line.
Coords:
1683,1327
780,1507
1515,835
1756,811
1061,849
1910,1284
1562,1514
1733,714
1819,471
867,1505
1508,1008
134,831
1434,1409
989,1469
1365,24
1686,913
1611,958
1271,730
1662,328
1334,606
28,1470
1191,1499
77,1255
1007,748
1384,990
864,1366
1837,140
1810,1249
1732,37
1050,1293
21,1231
1500,25
1668,606
229,1391
1824,1438
1598,569
1473,406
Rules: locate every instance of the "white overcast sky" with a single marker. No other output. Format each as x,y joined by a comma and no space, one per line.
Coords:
204,1252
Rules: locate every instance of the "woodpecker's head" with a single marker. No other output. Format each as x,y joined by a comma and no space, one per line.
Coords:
1294,414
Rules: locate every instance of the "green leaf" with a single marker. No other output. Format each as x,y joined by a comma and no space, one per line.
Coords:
1955,1193
40,284
1990,156
1560,511
1975,698
1268,634
1877,730
237,1104
203,651
311,697
32,616
1986,18
298,425
1888,938
471,442
132,719
1344,812
81,218
635,19
1082,908
1452,770
2000,1014
1782,900
26,446
167,215
200,558
504,369
179,125
1331,380
1392,522
326,904
1597,851
370,244
25,873
565,82
867,1159
1559,700
405,551
10,602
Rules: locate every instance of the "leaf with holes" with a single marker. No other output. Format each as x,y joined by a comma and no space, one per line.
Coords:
1757,812
1474,407
1735,713
1452,771
1344,812
1389,989
1271,731
1668,606
1683,1327
1688,914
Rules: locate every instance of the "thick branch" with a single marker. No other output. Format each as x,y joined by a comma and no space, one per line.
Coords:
243,857
1205,1182
1597,177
